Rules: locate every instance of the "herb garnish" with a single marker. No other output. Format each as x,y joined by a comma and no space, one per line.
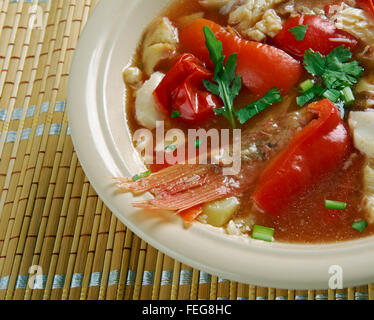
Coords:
228,84
337,74
141,175
271,97
299,32
360,225
175,114
197,143
337,205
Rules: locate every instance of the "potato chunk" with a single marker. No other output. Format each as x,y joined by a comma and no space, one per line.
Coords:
220,212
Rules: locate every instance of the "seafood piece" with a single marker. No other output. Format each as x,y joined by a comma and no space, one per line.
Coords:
253,19
187,20
369,192
361,125
354,21
364,92
269,25
159,43
184,186
246,16
133,76
301,7
146,109
214,4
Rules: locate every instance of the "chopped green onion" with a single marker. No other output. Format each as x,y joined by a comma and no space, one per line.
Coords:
306,97
141,65
309,95
360,225
332,94
262,233
337,205
306,85
141,175
175,114
197,143
171,147
348,95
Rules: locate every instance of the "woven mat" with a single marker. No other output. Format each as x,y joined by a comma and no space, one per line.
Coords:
57,238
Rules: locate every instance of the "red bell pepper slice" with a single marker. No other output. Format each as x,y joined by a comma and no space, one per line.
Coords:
261,66
321,35
317,149
367,5
182,90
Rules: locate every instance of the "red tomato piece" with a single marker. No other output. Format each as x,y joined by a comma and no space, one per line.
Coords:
321,35
261,66
182,90
367,5
316,150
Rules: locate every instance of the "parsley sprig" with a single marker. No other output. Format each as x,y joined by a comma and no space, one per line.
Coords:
228,84
299,32
271,97
337,75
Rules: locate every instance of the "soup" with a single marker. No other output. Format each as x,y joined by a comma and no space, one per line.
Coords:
293,82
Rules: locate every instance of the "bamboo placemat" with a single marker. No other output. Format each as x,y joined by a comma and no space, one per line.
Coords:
55,233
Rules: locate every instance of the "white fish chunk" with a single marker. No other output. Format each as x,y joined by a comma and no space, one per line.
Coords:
133,76
214,4
159,43
361,124
355,21
369,192
269,25
146,109
256,19
155,54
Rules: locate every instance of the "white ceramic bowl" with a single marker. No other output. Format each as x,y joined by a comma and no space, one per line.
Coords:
98,126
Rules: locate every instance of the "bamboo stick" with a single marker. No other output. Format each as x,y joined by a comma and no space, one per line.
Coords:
185,282
166,278
116,260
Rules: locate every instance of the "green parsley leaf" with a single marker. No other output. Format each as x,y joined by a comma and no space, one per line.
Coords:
314,62
337,74
335,70
141,175
360,225
175,114
227,84
299,32
271,97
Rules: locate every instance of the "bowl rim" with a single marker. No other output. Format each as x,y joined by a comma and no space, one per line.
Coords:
93,88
